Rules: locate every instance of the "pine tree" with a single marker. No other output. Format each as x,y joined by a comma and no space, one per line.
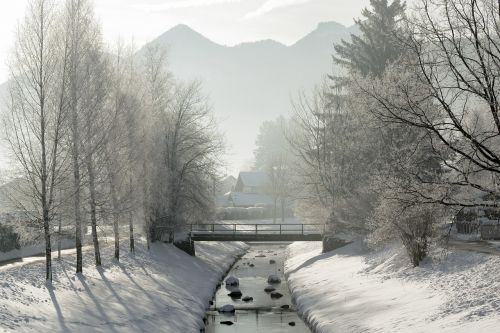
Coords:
377,46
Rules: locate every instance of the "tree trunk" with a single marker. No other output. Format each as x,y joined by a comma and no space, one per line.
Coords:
131,230
131,220
116,210
282,210
92,202
48,249
275,209
59,240
77,182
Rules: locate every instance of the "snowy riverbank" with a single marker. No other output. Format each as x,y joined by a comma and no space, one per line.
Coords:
351,290
162,291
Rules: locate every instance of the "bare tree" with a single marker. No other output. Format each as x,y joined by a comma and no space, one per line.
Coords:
192,150
331,146
35,125
446,86
81,36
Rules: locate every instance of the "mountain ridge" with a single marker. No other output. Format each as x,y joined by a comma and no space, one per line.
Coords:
251,82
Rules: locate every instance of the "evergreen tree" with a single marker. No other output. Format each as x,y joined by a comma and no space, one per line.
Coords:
377,46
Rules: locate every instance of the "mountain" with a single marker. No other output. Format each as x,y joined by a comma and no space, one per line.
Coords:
248,83
254,81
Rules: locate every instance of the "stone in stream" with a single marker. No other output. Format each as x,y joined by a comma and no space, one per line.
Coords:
232,281
273,279
272,261
285,306
260,256
276,294
247,299
236,293
251,265
292,323
228,322
227,308
269,289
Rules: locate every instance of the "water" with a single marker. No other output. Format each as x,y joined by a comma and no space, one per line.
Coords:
263,314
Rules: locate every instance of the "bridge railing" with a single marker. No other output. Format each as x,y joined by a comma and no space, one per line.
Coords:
258,229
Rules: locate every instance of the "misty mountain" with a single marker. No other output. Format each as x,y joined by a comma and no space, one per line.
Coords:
247,83
251,82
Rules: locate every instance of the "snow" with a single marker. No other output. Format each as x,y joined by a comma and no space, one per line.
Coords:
164,290
353,290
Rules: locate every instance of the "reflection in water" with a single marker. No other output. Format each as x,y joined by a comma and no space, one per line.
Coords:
263,314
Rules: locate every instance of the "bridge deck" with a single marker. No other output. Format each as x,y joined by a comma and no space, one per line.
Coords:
256,232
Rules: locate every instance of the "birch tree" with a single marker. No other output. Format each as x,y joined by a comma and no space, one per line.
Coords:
81,34
37,111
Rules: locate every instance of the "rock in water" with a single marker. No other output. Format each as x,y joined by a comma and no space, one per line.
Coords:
251,265
228,322
232,281
272,261
236,293
285,306
260,256
247,299
276,294
268,289
292,323
227,308
273,279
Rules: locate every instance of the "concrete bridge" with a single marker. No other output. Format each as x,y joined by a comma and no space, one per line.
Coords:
256,232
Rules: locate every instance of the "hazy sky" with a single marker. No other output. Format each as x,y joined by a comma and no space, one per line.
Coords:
224,21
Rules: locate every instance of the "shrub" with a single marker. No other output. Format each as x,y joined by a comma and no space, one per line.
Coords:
9,240
414,226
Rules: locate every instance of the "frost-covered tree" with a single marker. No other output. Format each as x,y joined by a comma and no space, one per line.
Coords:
447,88
35,123
378,44
331,142
274,156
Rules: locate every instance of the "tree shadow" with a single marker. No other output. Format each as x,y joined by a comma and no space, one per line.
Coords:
100,270
60,316
98,305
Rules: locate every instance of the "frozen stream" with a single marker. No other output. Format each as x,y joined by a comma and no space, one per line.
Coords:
263,314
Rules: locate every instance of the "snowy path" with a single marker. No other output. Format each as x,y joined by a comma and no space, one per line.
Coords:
348,290
17,263
162,291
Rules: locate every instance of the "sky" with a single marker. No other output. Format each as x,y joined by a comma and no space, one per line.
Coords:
226,22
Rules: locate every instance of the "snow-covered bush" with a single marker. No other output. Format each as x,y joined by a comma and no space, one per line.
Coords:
235,213
414,226
255,212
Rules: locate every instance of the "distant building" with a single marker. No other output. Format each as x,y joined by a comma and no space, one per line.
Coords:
226,185
255,182
251,190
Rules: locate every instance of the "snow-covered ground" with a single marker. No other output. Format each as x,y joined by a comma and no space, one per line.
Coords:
164,290
352,290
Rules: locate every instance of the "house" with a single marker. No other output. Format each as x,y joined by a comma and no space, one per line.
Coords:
255,182
225,185
251,190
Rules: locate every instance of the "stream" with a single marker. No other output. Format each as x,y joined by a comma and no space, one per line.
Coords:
263,313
